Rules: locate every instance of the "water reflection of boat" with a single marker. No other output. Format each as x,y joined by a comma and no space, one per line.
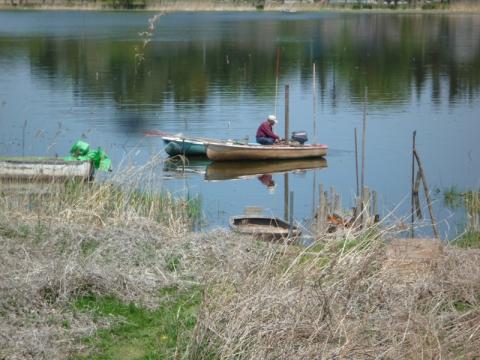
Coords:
239,169
186,165
263,227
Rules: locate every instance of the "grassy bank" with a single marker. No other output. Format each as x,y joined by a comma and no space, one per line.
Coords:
95,272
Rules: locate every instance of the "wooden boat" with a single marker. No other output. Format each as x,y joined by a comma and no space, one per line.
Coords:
265,228
184,146
225,170
39,168
181,145
231,151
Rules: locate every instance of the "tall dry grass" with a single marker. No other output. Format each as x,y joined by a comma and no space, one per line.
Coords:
358,303
61,241
345,296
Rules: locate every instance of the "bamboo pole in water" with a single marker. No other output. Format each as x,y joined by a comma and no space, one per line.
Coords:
314,106
277,72
356,162
285,196
413,183
287,120
427,194
364,130
290,227
286,137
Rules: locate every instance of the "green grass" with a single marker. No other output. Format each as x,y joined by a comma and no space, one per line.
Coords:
453,198
140,333
469,240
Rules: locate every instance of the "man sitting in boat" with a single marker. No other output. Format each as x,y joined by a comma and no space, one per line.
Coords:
265,134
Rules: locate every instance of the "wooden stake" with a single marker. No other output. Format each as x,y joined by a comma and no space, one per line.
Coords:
413,185
356,162
286,112
427,194
364,130
291,215
285,196
416,198
376,216
314,106
277,72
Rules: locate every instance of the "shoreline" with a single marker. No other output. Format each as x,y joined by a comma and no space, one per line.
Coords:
213,6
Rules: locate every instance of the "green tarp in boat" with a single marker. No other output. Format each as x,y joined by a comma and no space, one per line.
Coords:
81,151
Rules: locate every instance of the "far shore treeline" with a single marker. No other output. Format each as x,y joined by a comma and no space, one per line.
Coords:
245,5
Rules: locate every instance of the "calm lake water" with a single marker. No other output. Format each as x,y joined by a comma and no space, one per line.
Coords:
92,75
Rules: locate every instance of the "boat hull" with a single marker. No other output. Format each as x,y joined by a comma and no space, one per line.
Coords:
230,152
265,228
184,147
44,169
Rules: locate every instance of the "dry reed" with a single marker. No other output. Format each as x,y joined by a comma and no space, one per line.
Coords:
358,303
349,297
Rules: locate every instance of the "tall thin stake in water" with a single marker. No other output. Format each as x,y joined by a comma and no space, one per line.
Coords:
413,182
277,71
364,130
427,193
290,227
356,161
314,106
287,117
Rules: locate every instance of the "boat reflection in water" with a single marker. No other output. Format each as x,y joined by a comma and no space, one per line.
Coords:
262,169
181,166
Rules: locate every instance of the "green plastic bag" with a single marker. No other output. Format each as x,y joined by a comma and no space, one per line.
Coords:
80,151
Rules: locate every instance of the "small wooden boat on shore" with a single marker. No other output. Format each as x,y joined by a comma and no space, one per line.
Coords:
265,228
42,169
225,170
231,151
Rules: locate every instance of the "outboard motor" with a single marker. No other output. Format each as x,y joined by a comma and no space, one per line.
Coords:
300,136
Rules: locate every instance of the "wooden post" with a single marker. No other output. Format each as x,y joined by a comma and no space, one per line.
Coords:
314,189
285,196
413,184
376,216
332,200
321,207
356,162
416,198
364,130
291,216
277,72
314,106
427,194
286,113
